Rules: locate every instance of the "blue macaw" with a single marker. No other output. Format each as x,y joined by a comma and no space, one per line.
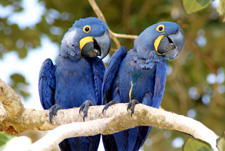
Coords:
139,76
76,79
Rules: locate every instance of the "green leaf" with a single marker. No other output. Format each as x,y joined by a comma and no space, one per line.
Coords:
196,145
18,78
192,6
4,138
203,3
221,142
19,84
203,148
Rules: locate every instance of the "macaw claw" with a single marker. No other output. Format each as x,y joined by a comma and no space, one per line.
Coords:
84,107
131,106
53,111
108,105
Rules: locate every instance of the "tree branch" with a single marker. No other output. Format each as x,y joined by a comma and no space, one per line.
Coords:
14,118
115,119
11,101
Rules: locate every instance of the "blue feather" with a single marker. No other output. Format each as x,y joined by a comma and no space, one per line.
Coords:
47,84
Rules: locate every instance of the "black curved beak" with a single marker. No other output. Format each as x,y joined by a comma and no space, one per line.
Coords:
171,45
95,46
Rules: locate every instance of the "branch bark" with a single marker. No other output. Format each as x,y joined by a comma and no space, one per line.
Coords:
115,119
11,101
14,118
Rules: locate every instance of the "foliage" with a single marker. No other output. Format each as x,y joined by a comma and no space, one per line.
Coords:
196,145
195,5
195,82
4,138
192,6
221,9
19,84
221,142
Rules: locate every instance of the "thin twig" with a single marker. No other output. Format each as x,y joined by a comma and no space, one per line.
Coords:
124,36
113,35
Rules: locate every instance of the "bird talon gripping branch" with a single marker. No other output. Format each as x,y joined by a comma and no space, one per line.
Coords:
53,111
131,106
108,105
84,107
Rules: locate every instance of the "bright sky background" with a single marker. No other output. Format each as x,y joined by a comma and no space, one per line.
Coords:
30,66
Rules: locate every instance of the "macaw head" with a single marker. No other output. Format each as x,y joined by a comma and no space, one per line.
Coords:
88,37
164,39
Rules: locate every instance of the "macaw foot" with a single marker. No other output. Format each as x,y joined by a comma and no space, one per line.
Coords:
131,106
53,111
108,105
84,107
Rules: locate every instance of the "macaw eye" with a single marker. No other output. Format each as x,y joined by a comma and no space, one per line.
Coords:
160,28
86,29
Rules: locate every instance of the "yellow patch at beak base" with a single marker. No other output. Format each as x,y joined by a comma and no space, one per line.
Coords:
157,42
85,40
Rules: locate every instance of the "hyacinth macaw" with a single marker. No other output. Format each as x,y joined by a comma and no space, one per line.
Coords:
139,76
76,78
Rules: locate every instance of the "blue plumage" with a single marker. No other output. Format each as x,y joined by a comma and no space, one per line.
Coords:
140,75
76,79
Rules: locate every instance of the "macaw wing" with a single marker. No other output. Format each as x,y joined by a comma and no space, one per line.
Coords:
47,84
98,72
111,73
160,82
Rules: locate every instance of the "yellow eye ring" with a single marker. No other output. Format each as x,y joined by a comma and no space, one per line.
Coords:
160,28
86,29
